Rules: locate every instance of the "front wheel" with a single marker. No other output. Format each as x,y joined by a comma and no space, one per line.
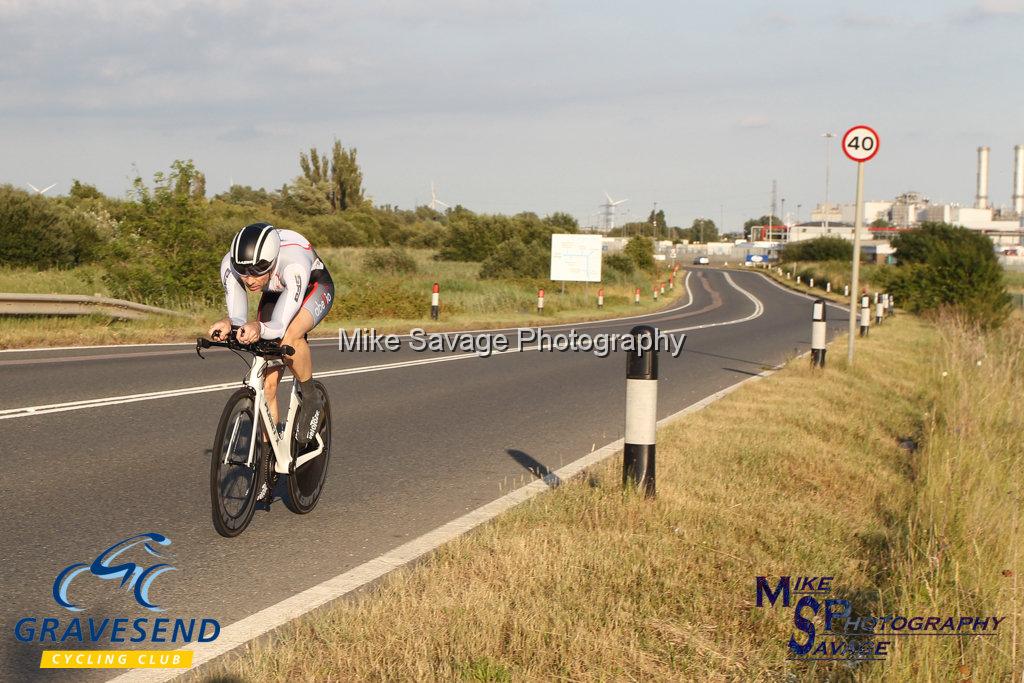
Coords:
234,483
307,481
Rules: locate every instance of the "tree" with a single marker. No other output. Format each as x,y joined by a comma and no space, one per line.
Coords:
916,246
703,230
80,190
881,223
341,180
641,251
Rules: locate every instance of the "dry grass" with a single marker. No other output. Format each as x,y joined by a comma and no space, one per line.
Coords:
797,474
963,553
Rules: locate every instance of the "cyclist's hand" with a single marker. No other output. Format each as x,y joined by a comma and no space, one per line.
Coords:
220,329
248,333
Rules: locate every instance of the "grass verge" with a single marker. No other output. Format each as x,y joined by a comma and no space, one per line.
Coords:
799,474
364,297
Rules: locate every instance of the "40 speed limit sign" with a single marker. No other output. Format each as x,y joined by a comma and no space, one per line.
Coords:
860,143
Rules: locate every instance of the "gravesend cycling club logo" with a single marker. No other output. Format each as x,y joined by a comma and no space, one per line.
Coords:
134,575
826,628
132,565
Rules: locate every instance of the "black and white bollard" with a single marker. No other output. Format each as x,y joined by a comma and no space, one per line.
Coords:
865,315
662,287
540,300
435,302
798,279
600,297
818,334
828,287
636,297
892,305
641,412
672,281
818,330
810,282
885,305
879,309
655,292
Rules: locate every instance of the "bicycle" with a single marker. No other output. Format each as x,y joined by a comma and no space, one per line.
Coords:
242,470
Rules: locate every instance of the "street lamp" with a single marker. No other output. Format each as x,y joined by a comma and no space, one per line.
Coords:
828,172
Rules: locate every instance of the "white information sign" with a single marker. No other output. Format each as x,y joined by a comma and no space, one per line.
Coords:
576,258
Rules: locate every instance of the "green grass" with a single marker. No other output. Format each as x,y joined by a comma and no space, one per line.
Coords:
801,473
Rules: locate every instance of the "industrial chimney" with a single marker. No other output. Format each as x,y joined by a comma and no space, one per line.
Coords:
981,200
1018,179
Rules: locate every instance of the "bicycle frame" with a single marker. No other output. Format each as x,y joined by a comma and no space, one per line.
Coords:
279,442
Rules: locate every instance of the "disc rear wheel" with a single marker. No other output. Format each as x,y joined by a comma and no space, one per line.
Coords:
306,483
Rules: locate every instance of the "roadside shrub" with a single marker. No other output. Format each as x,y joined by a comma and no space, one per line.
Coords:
818,249
640,250
162,252
393,260
514,259
946,266
618,264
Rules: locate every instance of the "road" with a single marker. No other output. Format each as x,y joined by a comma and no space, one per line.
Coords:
415,445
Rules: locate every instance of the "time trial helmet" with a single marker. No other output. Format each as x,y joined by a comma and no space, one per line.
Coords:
254,249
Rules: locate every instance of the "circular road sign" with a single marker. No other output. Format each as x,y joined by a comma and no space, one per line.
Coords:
860,143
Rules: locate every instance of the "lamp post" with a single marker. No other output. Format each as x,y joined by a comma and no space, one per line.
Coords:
828,174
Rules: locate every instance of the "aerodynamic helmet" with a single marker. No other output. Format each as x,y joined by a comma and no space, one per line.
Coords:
254,249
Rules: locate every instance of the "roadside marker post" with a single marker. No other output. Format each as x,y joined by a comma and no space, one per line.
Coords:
892,305
435,302
860,145
865,315
818,330
636,297
810,283
798,279
846,290
662,287
600,297
540,301
879,309
638,453
828,287
655,292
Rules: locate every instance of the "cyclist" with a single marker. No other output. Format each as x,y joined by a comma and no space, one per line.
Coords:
297,292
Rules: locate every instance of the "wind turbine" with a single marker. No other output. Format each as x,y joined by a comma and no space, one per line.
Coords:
434,201
42,191
609,211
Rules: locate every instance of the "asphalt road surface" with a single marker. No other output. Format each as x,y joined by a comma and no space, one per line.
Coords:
100,444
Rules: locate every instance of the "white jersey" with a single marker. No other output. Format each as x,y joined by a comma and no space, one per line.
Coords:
290,277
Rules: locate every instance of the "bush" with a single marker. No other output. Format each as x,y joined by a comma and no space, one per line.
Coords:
819,249
640,250
514,259
393,260
37,232
162,252
946,266
618,263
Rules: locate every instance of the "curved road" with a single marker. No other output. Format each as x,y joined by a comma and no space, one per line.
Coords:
416,445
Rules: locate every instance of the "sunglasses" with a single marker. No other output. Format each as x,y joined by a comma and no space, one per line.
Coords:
256,269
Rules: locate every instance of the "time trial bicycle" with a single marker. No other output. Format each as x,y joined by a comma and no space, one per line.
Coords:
250,451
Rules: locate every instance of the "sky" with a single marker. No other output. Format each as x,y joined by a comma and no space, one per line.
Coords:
528,105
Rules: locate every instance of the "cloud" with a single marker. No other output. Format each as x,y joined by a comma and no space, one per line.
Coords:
753,121
988,10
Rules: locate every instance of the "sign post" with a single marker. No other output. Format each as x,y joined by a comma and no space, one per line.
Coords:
860,144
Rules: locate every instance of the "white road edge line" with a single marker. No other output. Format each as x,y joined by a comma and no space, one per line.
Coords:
275,616
334,338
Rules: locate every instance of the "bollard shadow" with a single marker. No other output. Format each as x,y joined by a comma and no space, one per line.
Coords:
743,372
532,465
759,363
